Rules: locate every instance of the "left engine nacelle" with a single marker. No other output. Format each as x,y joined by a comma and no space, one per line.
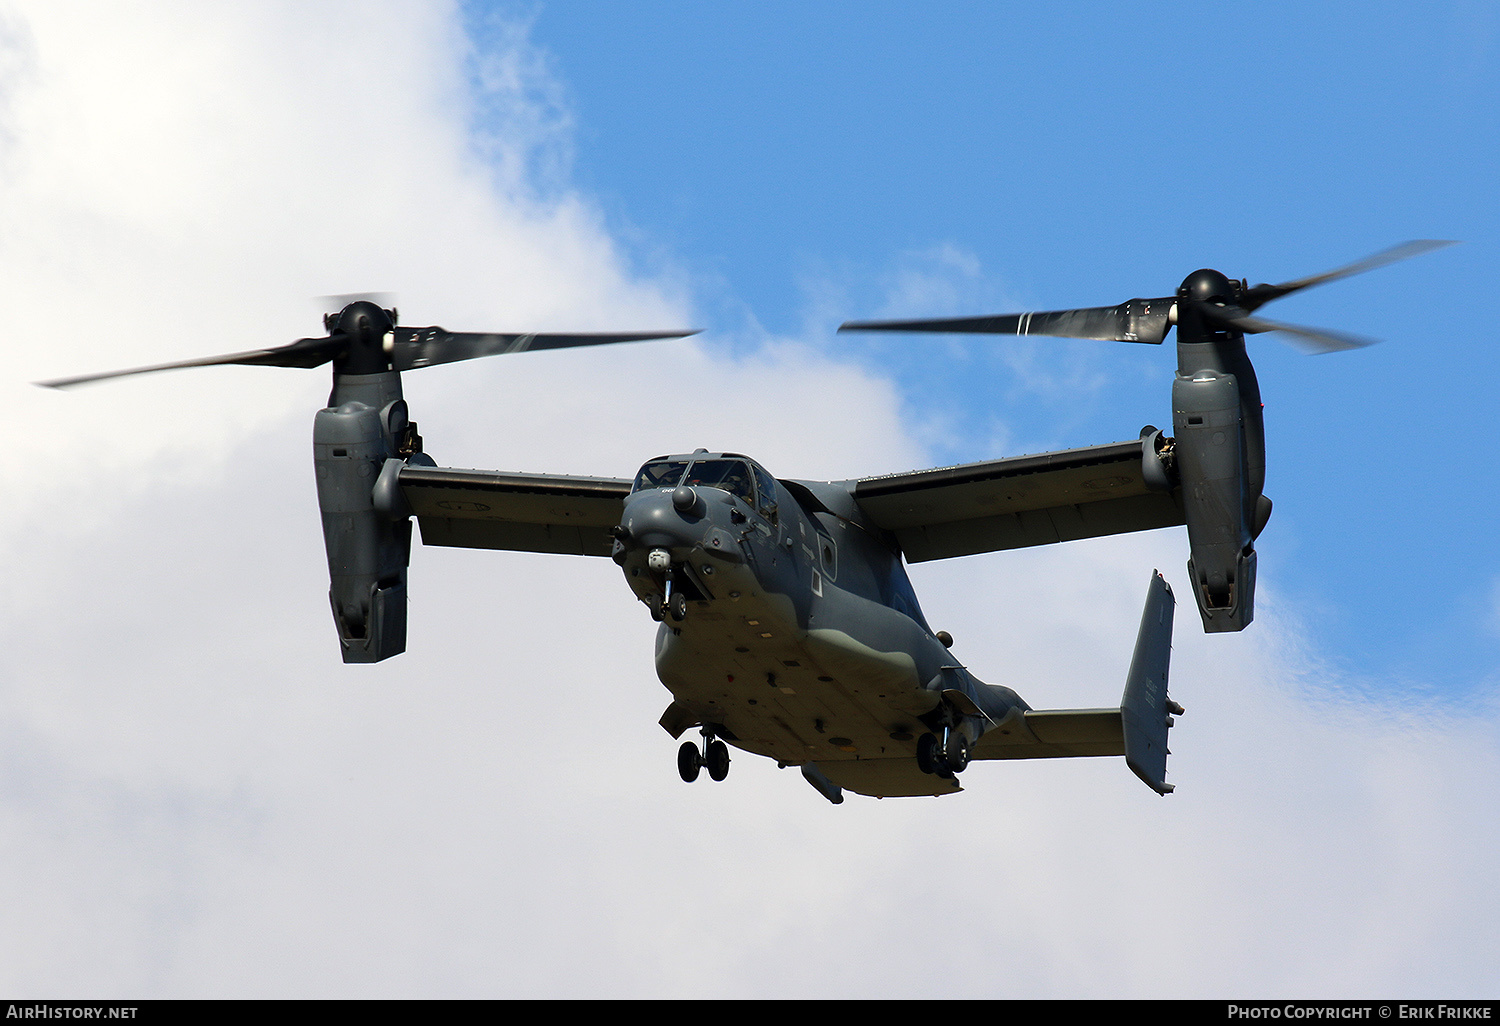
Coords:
368,549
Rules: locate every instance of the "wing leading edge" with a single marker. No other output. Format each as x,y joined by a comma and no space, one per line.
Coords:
935,514
491,509
1022,501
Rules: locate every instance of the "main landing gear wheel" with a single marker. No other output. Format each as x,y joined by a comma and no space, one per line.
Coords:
927,753
957,752
689,762
940,759
715,755
717,759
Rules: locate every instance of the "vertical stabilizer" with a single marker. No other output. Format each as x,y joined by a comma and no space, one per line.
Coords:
1146,711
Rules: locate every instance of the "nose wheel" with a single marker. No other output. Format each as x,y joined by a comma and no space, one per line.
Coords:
714,756
670,603
674,602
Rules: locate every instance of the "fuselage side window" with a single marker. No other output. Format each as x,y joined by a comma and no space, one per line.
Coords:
828,550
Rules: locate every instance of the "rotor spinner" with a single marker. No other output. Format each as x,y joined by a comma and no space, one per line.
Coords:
1206,285
365,325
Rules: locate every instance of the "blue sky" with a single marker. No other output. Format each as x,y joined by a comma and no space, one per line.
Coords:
802,163
198,799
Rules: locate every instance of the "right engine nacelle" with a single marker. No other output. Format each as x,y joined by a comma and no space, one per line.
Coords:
1222,518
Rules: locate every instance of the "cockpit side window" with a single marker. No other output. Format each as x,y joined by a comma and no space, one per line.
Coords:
766,485
659,474
731,475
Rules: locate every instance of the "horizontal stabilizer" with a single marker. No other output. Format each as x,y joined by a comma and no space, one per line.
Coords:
1053,734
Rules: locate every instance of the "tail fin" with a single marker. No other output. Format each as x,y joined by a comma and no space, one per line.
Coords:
1146,711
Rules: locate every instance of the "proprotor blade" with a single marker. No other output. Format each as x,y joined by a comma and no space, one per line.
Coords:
1139,320
1310,340
305,352
425,347
1262,294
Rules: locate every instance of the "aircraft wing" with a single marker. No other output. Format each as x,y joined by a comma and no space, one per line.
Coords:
1019,501
491,509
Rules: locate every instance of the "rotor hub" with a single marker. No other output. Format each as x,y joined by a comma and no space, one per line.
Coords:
1209,286
365,326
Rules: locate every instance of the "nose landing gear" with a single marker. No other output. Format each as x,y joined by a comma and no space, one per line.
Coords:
662,606
671,602
715,756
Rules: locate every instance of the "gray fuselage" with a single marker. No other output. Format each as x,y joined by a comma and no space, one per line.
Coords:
800,637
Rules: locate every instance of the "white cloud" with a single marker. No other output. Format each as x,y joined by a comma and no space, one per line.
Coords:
197,799
190,192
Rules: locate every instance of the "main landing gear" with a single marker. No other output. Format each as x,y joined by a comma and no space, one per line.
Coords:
715,755
943,758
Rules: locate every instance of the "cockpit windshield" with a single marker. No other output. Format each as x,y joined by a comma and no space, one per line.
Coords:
659,474
732,475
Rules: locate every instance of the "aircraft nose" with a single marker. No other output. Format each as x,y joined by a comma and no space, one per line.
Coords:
663,519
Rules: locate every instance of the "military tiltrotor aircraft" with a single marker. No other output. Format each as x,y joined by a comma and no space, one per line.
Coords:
788,627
